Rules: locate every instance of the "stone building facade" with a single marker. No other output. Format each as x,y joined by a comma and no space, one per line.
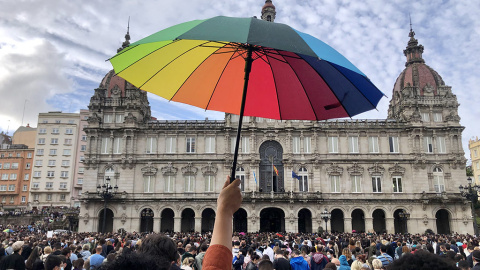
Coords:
366,173
474,147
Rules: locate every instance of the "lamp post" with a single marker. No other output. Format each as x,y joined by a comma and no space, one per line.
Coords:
106,192
470,192
325,215
404,215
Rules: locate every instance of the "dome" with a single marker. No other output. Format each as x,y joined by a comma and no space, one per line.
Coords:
114,84
416,73
268,3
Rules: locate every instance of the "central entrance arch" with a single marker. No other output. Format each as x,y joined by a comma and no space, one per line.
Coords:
305,221
108,221
146,221
167,220
443,221
379,225
208,219
240,220
272,220
358,220
271,154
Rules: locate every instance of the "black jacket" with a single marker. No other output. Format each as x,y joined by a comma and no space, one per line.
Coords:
14,261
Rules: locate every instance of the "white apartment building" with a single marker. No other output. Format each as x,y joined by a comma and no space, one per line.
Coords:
55,159
79,170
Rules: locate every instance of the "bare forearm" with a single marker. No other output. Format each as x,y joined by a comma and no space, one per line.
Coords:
222,233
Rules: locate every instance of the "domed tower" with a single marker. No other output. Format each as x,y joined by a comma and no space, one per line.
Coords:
420,94
268,11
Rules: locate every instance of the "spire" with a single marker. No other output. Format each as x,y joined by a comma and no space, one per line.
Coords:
413,52
127,37
268,11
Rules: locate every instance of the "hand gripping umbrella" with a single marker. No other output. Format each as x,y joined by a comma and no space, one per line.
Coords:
248,67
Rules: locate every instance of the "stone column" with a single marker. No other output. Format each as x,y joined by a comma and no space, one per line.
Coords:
198,224
135,224
253,223
369,224
390,225
156,224
177,224
347,224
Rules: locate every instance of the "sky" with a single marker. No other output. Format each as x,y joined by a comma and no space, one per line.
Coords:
53,52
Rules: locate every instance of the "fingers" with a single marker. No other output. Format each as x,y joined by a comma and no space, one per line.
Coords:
226,182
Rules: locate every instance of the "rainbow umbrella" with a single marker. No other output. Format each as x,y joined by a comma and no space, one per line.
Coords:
250,67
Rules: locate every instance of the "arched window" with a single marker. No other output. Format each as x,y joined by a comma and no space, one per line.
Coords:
438,182
303,183
109,173
240,174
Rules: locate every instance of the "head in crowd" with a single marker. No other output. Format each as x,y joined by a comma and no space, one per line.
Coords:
53,262
265,265
421,260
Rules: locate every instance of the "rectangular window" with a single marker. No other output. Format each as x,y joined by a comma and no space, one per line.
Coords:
376,184
3,188
82,158
36,197
441,145
53,152
356,185
303,183
11,187
84,138
246,145
0,165
332,144
80,181
63,185
26,177
373,145
27,165
307,145
119,118
69,131
41,141
12,199
29,155
81,170
42,131
107,118
55,130
51,162
425,117
68,142
13,176
296,145
438,183
49,197
148,183
190,145
64,174
117,145
24,199
15,165
209,181
25,188
65,163
83,148
170,145
36,174
209,144
39,152
334,183
353,144
104,149
428,144
4,176
38,163
397,184
6,166
233,142
54,141
169,183
151,145
50,174
393,144
189,183
437,117
35,185
67,152
49,185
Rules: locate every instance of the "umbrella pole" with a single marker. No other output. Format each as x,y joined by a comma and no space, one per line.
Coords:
248,68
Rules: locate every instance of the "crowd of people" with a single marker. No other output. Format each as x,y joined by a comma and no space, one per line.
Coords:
225,249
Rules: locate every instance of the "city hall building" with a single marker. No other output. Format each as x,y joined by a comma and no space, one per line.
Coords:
368,174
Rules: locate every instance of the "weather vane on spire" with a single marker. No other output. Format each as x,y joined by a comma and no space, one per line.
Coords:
411,34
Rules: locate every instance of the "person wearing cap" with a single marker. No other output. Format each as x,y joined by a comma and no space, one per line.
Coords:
476,259
16,260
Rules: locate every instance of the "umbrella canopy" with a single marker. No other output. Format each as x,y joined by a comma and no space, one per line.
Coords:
8,230
248,67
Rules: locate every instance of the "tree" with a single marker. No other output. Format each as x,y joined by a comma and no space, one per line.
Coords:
469,170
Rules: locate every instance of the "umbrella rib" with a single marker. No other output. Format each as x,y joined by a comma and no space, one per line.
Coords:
304,90
192,73
219,77
170,63
276,92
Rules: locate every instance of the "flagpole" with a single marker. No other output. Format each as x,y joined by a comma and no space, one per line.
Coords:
291,184
272,174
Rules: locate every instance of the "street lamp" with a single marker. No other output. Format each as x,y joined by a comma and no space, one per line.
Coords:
471,193
325,215
106,192
404,215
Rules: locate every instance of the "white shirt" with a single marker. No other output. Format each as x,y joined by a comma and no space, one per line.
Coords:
269,252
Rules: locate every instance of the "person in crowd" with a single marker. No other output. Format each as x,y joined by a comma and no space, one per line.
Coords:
252,264
280,262
384,257
78,264
265,264
96,259
15,260
200,256
297,262
318,259
343,263
187,263
53,262
85,252
34,261
422,260
377,264
67,252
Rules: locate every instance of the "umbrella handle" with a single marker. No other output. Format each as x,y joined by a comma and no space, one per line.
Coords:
248,68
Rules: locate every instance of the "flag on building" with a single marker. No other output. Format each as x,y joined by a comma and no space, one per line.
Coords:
255,177
275,169
294,175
